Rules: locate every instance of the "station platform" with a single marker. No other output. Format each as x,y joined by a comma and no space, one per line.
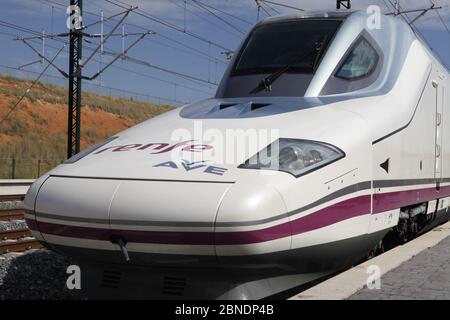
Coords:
14,186
417,270
425,276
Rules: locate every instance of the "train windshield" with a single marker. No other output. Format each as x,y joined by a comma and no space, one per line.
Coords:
273,46
290,50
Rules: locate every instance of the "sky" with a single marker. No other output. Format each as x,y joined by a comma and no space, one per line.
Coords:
184,59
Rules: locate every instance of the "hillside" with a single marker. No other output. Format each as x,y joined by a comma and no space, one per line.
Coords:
37,129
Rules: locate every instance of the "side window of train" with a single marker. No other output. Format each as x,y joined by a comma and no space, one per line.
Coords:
359,68
361,61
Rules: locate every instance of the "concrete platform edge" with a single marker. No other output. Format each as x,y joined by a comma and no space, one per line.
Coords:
351,281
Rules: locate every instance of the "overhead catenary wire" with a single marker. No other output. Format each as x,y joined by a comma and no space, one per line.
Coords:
75,72
186,9
387,6
264,9
37,35
153,18
148,64
206,9
260,6
226,13
423,11
272,8
172,72
178,74
23,29
195,51
144,75
122,55
175,84
130,92
202,17
282,5
77,64
446,27
437,12
19,28
416,30
131,71
14,107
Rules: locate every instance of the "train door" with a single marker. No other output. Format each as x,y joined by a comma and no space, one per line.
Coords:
440,91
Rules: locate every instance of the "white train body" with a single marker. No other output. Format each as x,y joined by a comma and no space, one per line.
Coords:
146,193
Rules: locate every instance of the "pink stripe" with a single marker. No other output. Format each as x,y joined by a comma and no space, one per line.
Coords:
393,200
338,212
167,237
31,224
335,213
74,231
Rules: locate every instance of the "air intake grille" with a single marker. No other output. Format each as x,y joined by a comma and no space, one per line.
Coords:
256,106
226,105
174,285
111,279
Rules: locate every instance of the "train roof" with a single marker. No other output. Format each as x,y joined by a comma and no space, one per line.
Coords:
392,39
308,15
344,15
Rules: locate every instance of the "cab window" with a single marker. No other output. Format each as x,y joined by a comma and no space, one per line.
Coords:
360,62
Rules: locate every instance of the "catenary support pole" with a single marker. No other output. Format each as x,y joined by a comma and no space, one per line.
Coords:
75,78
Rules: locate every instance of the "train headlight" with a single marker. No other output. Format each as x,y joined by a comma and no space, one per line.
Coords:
294,156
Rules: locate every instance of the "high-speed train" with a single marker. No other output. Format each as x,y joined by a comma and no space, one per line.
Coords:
328,133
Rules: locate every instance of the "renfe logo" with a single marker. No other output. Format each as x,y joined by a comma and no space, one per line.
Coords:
157,148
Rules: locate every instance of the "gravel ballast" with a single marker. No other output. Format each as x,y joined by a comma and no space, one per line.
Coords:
13,225
36,275
8,205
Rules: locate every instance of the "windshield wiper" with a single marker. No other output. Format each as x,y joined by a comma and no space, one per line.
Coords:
267,82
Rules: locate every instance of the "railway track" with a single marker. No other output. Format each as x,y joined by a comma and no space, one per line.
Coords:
19,246
11,214
18,240
15,234
12,197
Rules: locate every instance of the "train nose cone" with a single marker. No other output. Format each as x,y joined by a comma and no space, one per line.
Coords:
73,213
251,221
167,217
153,219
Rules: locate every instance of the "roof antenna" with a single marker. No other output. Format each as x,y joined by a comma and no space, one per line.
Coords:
343,3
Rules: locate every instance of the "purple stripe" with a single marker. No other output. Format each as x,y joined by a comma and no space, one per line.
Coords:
74,231
31,224
394,200
254,236
335,213
166,237
338,212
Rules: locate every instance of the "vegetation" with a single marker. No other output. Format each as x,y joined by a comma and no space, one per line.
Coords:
38,128
50,93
